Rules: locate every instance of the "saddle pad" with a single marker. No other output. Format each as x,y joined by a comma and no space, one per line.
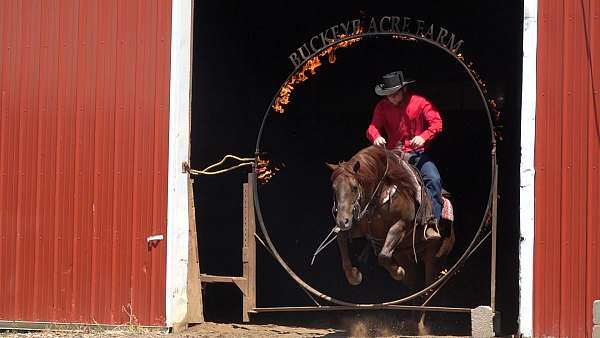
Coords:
447,211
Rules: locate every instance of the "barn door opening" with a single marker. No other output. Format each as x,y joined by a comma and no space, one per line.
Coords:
241,56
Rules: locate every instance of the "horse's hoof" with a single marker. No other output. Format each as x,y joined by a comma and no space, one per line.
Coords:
355,277
399,274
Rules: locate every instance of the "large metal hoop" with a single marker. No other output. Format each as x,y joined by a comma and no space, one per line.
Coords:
488,215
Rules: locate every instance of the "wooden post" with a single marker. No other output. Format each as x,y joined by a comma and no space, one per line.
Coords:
194,288
494,239
249,249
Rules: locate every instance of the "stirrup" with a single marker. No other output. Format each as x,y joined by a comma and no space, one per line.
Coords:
431,231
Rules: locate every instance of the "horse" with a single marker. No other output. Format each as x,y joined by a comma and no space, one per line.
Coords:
378,195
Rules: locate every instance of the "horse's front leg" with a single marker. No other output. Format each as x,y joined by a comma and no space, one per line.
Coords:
353,275
394,236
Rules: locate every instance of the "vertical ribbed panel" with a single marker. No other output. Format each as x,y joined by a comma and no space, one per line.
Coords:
576,90
566,277
84,97
593,165
547,171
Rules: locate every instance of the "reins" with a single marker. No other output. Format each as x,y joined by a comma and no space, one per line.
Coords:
417,215
360,215
356,206
387,165
325,243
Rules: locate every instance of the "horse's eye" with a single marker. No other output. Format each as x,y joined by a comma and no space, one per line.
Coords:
354,189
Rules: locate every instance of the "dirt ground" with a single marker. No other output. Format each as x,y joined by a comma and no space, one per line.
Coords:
345,324
202,330
209,329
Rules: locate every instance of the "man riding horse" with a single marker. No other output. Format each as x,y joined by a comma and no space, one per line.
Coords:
410,122
377,195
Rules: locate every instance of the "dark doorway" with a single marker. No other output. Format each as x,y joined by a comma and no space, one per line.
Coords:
240,60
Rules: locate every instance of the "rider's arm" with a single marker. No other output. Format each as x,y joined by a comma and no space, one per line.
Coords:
433,120
374,129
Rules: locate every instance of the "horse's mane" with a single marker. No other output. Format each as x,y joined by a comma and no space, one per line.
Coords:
372,167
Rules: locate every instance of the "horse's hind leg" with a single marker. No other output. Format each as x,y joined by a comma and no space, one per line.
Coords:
353,275
433,266
385,257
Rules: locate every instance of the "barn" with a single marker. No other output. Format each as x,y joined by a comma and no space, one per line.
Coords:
101,103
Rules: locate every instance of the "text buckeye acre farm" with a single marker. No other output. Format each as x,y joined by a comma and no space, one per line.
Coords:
404,26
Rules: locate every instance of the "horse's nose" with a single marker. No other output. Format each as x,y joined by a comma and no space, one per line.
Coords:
343,222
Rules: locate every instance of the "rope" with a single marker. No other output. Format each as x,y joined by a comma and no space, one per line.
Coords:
324,243
247,161
204,172
418,212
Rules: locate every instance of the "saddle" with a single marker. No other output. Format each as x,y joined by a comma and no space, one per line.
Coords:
425,209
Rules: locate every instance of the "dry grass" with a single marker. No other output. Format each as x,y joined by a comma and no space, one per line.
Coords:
131,328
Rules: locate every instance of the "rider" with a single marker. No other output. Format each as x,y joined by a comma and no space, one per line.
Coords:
410,123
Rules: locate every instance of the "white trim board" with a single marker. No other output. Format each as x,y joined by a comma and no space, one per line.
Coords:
179,151
527,169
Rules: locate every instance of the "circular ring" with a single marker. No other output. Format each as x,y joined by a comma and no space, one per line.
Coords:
474,243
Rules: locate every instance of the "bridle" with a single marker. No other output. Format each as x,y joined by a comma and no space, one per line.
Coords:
357,213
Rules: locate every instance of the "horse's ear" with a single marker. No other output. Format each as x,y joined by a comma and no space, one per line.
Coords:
356,167
333,167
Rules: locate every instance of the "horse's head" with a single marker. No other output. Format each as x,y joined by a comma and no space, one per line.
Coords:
347,193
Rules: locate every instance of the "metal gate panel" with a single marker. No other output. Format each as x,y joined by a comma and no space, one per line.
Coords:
84,97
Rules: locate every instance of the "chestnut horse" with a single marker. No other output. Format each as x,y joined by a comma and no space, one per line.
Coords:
377,197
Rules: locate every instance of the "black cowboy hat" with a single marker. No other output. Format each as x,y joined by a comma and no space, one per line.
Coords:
392,83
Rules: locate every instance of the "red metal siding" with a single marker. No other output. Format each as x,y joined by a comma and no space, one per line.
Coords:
593,165
567,207
84,97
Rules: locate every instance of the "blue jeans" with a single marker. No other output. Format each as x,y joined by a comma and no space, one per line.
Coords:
432,180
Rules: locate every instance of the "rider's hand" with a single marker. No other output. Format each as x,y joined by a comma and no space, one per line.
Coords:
380,141
417,141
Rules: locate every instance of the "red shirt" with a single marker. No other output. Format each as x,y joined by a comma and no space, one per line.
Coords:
413,116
